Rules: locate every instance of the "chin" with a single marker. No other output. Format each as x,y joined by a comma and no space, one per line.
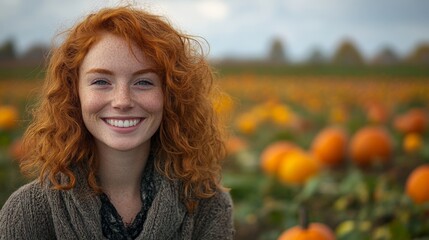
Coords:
128,146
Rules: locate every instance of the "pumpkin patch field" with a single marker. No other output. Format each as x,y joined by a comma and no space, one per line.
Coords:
352,151
329,156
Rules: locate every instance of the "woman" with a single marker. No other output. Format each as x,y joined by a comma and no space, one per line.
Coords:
125,142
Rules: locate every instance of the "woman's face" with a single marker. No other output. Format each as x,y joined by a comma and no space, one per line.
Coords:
120,95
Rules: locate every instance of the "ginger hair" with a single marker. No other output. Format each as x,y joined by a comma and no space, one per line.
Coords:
189,144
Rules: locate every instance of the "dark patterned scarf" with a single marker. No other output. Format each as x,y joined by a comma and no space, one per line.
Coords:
112,224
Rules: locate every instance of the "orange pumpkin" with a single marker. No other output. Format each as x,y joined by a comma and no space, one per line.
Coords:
274,153
297,167
315,231
371,144
415,120
376,112
306,231
247,123
223,104
281,115
235,145
15,150
417,187
412,142
8,117
329,146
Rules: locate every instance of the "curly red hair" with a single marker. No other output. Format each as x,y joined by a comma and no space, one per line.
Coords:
189,144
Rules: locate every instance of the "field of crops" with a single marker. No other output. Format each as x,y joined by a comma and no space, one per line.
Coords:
356,188
356,200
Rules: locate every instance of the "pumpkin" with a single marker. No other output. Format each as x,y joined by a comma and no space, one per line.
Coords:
315,231
15,150
412,142
415,120
274,153
417,187
376,112
329,146
235,145
307,231
281,115
247,123
223,104
8,117
369,145
297,167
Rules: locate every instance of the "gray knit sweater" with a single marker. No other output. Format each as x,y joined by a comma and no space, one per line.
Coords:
37,212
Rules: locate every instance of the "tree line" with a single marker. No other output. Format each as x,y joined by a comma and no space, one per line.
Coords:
35,55
347,53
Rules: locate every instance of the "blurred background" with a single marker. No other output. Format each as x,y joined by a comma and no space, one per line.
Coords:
326,103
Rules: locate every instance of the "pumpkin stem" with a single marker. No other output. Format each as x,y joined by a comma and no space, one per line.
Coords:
303,217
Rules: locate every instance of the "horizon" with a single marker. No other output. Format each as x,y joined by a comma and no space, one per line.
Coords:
244,29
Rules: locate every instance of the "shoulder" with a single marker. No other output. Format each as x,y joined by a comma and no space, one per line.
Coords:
29,189
27,195
214,218
221,201
25,207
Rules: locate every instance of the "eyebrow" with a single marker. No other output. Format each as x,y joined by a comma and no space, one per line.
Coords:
108,72
99,70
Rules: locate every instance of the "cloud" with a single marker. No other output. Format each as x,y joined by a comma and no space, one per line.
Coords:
237,27
213,10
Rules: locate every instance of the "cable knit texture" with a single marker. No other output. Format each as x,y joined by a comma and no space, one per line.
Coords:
36,212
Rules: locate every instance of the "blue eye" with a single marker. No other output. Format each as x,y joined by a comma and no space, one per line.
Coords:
100,82
144,82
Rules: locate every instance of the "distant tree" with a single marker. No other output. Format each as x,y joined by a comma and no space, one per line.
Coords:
36,53
386,57
277,52
316,57
7,50
347,54
420,55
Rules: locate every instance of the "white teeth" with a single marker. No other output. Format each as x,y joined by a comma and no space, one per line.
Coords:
123,123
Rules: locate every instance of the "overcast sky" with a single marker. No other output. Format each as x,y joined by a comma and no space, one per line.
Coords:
244,28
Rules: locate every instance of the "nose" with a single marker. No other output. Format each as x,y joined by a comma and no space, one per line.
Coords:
122,98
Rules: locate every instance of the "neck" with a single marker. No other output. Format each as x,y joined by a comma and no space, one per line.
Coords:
120,172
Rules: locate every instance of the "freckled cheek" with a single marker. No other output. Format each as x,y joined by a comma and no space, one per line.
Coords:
90,105
154,102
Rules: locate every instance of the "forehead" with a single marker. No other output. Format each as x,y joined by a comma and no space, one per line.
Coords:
113,52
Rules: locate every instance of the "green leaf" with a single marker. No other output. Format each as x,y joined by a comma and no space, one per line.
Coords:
309,190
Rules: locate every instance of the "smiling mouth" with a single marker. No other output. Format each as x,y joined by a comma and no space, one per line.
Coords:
123,123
